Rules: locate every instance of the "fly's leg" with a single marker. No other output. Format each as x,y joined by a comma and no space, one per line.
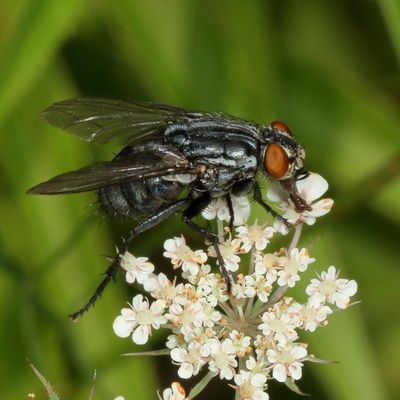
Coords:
258,198
142,226
195,208
231,211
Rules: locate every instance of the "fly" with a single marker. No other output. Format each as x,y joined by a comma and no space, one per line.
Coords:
172,161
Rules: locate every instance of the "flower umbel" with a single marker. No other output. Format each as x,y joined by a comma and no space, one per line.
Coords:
253,334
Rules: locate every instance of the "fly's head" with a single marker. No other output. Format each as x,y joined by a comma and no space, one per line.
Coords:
282,159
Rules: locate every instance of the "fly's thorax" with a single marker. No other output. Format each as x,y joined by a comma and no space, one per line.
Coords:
228,152
212,139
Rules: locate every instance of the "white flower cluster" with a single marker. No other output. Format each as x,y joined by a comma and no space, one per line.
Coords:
248,336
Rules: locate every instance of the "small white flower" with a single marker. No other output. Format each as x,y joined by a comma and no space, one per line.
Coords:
241,342
213,289
255,235
162,288
203,272
331,289
309,316
259,366
239,290
139,319
183,256
218,208
210,314
310,189
229,251
137,268
266,264
296,262
200,334
173,341
287,361
190,360
223,358
279,325
187,316
175,392
120,398
251,386
257,285
261,345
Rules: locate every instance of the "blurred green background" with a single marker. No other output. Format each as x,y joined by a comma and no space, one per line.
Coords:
329,69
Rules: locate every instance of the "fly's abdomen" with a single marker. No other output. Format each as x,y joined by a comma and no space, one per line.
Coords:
138,198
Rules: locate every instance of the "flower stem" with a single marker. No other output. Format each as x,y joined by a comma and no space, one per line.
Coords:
258,305
228,311
221,233
295,238
275,297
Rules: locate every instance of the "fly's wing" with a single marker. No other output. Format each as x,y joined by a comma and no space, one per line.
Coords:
141,166
101,120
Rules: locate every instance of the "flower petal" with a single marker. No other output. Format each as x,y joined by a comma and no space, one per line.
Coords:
277,194
312,188
141,335
178,354
299,352
185,371
122,327
295,370
321,207
279,373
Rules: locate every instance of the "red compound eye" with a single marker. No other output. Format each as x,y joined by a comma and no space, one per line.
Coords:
276,161
280,126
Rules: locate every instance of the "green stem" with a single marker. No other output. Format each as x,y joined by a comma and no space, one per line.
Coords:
258,305
221,233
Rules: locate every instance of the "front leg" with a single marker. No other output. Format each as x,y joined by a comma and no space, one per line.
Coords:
259,199
231,211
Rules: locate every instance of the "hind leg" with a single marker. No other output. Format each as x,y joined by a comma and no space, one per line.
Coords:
148,223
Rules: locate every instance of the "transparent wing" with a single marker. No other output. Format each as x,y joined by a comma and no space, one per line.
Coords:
100,120
119,170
